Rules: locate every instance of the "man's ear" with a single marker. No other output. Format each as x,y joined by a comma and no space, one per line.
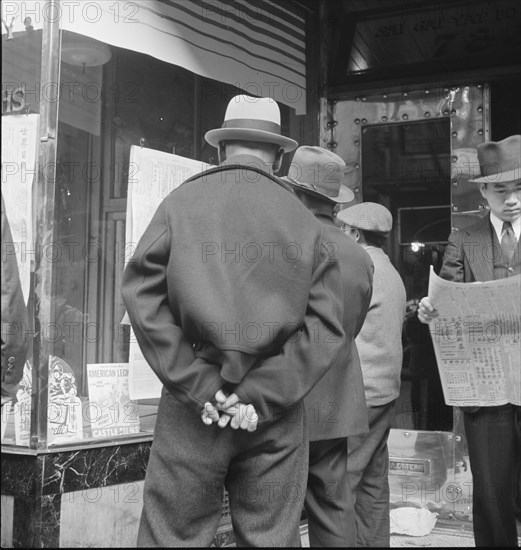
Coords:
357,234
277,163
482,189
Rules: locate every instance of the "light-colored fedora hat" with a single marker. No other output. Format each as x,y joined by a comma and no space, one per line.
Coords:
319,172
251,119
499,161
369,216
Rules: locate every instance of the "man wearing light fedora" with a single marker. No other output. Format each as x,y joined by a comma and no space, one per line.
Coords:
336,405
485,251
380,346
236,304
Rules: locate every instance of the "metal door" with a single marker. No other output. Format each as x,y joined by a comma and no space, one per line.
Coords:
414,151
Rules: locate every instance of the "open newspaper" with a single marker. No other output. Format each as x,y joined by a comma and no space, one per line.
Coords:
476,339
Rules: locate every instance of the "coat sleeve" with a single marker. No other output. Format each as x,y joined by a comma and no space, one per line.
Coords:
280,381
192,379
14,315
453,268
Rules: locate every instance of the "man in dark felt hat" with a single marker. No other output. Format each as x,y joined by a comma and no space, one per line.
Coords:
235,301
380,347
485,251
336,405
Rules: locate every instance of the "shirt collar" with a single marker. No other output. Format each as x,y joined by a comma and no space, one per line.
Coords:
372,248
497,224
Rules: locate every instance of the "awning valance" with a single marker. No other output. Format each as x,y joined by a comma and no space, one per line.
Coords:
256,45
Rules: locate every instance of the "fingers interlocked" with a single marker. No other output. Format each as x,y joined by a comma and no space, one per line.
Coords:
229,410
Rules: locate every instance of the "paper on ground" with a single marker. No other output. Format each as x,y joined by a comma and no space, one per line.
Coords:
415,522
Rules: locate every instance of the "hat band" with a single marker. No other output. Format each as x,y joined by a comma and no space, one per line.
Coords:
252,124
495,169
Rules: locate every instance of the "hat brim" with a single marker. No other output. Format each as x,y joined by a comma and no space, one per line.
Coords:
510,176
214,137
344,194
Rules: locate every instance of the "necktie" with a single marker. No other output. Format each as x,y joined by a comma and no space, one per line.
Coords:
508,241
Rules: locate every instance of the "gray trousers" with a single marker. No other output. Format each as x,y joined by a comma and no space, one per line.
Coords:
368,467
329,499
264,472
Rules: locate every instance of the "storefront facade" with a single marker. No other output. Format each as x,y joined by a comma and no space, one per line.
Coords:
97,97
412,89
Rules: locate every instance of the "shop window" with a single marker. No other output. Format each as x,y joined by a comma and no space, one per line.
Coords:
132,100
22,96
109,100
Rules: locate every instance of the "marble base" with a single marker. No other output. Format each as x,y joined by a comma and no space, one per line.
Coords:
89,497
7,521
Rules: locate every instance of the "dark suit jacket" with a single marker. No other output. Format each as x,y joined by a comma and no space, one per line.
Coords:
469,257
469,254
14,315
232,284
336,406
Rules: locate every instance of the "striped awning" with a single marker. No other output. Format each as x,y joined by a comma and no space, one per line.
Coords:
256,45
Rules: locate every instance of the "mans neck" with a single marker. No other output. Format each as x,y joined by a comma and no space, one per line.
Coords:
266,154
249,159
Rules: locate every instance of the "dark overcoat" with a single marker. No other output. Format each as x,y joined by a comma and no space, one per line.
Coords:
336,406
233,284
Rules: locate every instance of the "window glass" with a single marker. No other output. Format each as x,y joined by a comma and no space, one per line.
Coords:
116,99
22,96
110,99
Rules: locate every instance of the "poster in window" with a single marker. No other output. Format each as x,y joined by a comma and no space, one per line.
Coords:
112,412
64,411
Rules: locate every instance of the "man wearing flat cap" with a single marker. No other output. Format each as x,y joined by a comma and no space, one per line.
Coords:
380,346
485,251
336,405
236,304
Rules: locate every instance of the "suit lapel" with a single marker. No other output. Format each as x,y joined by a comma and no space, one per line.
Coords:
480,254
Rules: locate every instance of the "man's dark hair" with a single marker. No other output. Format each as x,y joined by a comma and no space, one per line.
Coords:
373,238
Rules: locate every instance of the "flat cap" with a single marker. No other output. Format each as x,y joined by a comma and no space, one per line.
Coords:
369,216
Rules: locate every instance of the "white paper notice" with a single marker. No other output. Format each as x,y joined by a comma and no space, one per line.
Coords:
476,339
19,142
7,412
152,176
143,382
